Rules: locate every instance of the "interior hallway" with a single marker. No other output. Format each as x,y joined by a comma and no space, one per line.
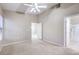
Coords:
35,47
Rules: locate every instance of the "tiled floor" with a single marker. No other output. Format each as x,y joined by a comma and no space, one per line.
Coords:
36,47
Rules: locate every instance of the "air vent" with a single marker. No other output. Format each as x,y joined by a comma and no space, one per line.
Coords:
58,5
20,12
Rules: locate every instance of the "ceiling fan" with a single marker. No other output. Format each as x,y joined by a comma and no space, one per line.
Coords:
35,7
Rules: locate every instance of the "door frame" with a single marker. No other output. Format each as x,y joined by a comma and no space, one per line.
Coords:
67,29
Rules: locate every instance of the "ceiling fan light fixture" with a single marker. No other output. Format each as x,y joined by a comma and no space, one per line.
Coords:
35,7
34,11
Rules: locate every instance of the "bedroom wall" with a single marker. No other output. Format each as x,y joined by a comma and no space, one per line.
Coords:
17,26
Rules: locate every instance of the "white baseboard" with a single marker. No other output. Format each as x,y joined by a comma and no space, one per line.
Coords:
11,43
54,43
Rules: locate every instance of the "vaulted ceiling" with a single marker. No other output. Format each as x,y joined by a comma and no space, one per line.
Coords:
21,8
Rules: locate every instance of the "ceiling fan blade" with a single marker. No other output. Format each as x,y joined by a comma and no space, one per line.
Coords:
42,6
32,9
27,4
36,7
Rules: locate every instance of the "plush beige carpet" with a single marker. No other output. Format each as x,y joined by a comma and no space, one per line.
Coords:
35,48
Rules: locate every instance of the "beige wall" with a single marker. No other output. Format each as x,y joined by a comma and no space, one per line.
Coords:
74,19
17,26
0,10
53,23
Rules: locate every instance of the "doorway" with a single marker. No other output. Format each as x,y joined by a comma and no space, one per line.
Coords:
71,28
36,31
1,28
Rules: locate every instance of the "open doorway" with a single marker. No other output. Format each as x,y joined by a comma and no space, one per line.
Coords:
1,27
72,32
36,31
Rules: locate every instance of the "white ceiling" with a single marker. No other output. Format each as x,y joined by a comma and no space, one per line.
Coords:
10,6
67,5
20,7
